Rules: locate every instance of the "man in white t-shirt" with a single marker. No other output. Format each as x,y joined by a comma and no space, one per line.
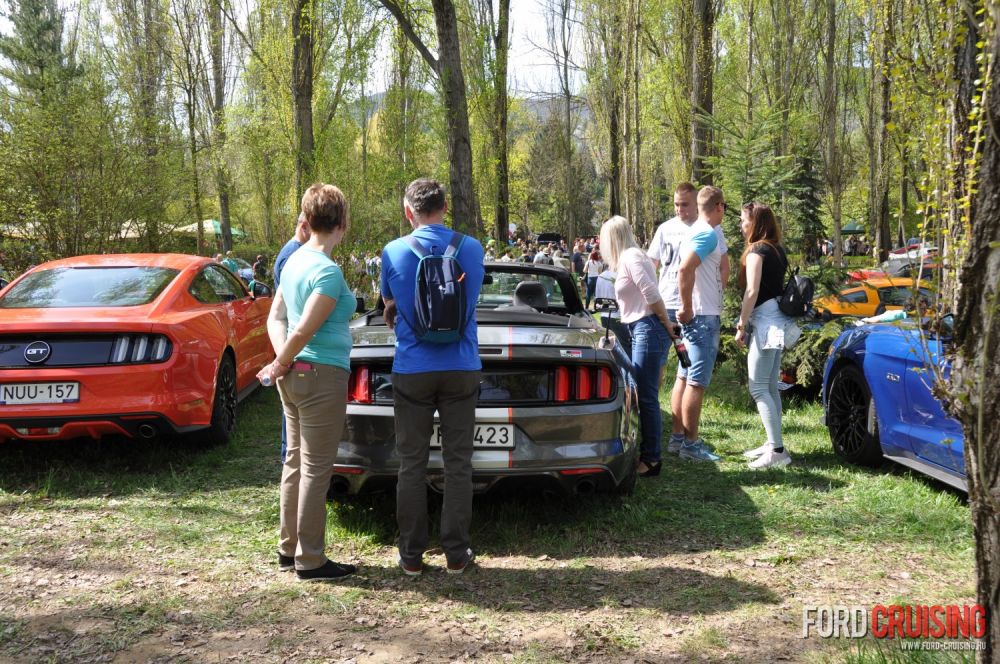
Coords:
700,280
665,252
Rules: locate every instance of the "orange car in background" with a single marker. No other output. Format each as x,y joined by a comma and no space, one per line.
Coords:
871,297
139,345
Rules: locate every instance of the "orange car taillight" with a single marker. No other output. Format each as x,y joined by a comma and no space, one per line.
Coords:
359,386
136,348
583,383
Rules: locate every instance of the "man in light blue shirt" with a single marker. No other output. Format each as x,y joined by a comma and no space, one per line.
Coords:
429,376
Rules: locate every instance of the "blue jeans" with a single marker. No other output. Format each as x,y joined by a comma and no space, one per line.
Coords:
701,336
650,344
591,287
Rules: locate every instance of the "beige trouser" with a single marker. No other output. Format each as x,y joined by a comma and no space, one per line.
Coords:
315,404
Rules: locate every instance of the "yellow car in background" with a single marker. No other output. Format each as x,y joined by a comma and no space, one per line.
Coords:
871,297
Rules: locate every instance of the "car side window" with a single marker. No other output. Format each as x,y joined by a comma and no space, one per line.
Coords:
894,296
225,285
202,290
855,297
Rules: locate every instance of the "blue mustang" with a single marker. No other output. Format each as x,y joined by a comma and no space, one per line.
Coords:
878,401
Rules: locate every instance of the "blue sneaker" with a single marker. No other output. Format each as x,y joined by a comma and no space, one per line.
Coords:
698,451
674,444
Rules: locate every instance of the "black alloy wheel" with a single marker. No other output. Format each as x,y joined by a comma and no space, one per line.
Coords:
223,423
851,418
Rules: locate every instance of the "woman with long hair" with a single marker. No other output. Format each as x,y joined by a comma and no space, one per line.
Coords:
642,311
312,344
592,270
763,327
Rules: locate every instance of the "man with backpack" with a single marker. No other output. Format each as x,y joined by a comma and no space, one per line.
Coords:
430,283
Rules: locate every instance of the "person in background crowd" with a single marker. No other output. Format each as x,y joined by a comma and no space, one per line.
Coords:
218,258
579,258
642,310
700,286
259,271
559,260
301,236
527,254
428,376
665,252
312,343
763,327
605,287
230,263
544,257
592,269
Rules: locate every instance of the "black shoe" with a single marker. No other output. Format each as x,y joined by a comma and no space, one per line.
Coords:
652,469
328,571
286,563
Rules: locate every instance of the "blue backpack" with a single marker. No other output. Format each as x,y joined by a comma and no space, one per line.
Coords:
439,297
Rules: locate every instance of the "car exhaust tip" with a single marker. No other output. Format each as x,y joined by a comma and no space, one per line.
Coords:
147,431
339,486
584,488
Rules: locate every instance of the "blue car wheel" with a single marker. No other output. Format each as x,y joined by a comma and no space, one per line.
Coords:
851,418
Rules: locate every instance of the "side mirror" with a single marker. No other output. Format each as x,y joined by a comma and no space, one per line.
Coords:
360,308
260,290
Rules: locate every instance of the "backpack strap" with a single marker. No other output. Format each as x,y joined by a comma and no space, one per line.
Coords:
455,246
415,246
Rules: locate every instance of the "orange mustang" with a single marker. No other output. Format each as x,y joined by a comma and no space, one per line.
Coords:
133,344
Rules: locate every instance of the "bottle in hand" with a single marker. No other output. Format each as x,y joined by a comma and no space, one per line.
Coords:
681,348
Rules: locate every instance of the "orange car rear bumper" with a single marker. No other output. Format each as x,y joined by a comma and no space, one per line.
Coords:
113,400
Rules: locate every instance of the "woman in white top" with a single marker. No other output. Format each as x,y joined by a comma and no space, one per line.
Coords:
593,270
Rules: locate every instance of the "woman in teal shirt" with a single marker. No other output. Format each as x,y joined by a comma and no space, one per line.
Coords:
308,329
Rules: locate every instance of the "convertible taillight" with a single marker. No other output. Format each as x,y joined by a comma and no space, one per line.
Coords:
359,386
139,348
583,384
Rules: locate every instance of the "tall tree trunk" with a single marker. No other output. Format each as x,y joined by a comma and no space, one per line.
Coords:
217,49
703,65
464,209
448,67
615,155
501,46
302,94
189,105
976,373
879,194
833,171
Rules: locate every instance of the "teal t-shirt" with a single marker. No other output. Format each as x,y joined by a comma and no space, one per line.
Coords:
309,271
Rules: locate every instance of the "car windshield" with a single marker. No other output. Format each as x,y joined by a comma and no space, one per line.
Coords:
88,287
498,289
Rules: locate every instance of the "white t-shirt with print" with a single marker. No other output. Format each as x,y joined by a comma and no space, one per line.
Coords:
665,248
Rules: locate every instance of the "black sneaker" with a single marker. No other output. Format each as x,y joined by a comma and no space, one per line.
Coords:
328,571
286,563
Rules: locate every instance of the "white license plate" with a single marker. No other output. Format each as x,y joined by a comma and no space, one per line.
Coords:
19,394
487,437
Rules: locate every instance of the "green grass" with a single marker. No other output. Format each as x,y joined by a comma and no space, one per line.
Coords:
145,542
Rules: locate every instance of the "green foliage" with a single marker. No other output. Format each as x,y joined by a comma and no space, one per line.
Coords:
806,359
